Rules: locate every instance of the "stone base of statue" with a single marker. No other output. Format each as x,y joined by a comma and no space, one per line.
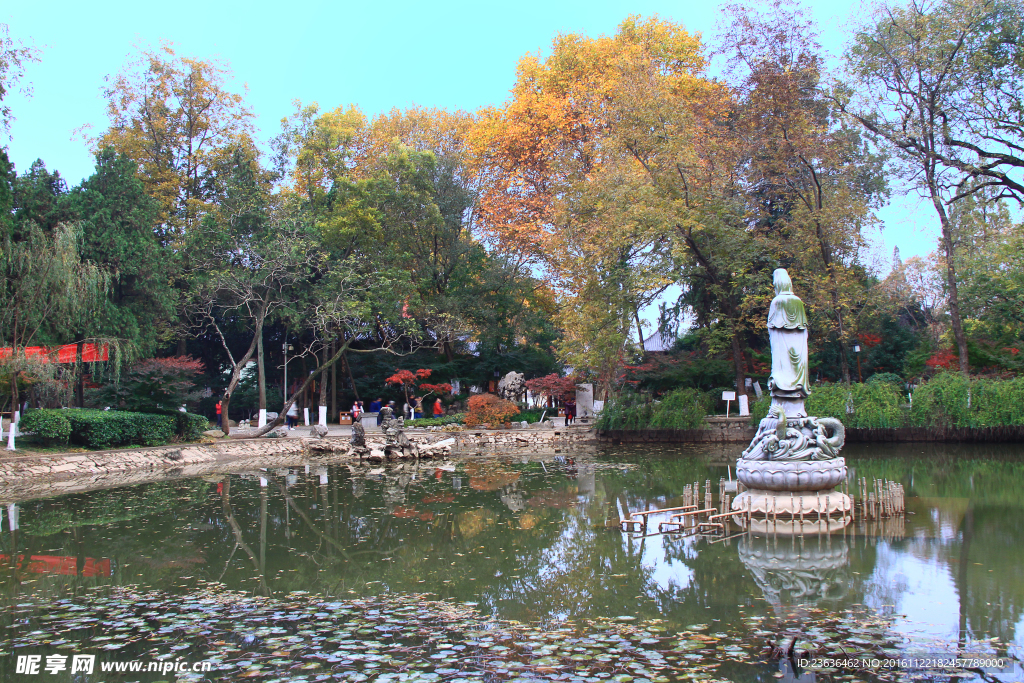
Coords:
781,438
794,504
791,475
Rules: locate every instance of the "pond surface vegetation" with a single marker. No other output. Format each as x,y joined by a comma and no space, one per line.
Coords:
514,568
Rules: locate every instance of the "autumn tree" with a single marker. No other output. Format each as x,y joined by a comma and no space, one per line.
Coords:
917,67
177,120
14,56
560,186
811,182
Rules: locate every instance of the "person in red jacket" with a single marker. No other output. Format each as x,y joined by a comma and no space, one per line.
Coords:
438,408
219,424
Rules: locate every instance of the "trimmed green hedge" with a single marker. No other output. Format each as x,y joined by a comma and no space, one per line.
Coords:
107,428
453,419
46,424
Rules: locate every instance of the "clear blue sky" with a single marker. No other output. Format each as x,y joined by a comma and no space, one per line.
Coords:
456,55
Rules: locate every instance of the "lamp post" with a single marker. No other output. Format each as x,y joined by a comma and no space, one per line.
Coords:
856,350
286,347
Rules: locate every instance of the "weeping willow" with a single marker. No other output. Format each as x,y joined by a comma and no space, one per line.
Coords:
46,289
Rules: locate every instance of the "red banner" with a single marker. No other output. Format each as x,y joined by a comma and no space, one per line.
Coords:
60,564
91,353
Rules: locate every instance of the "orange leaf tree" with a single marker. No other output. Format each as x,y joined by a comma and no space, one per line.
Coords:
489,409
560,388
563,181
409,380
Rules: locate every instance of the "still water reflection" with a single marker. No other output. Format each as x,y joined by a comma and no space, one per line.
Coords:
538,539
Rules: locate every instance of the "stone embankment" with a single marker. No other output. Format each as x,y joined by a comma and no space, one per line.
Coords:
714,430
24,478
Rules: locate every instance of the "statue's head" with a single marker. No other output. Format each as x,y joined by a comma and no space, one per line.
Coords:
783,285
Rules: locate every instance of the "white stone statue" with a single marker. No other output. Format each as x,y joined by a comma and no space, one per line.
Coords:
787,332
792,466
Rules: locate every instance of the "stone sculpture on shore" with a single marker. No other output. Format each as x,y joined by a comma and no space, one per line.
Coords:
512,386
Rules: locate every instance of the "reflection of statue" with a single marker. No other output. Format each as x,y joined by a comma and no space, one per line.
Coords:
790,572
512,498
787,332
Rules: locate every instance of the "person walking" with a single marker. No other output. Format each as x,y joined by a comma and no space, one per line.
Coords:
220,424
292,415
438,408
417,407
357,408
570,412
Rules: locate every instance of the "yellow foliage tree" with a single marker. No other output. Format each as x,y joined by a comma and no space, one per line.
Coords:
176,119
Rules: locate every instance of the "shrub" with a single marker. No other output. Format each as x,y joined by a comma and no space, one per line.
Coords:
890,377
952,400
110,428
874,405
759,408
189,426
47,424
489,409
679,409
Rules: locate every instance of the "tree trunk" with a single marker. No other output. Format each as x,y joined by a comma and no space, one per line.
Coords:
182,347
449,352
640,334
844,363
737,360
236,373
954,297
261,371
313,376
351,379
323,381
334,380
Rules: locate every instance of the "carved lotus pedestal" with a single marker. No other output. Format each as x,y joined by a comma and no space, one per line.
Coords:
792,489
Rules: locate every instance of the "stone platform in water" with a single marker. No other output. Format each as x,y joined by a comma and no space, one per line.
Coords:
794,504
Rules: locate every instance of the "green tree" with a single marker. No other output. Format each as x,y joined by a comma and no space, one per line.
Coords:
118,220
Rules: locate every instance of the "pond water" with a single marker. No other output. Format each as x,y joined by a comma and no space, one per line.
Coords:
514,568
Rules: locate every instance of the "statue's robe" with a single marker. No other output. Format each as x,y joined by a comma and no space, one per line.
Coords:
787,333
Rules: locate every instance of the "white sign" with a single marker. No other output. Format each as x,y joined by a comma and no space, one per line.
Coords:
728,396
744,406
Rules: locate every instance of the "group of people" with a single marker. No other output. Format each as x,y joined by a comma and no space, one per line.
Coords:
413,408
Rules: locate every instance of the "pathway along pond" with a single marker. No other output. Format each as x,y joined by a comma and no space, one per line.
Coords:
512,568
